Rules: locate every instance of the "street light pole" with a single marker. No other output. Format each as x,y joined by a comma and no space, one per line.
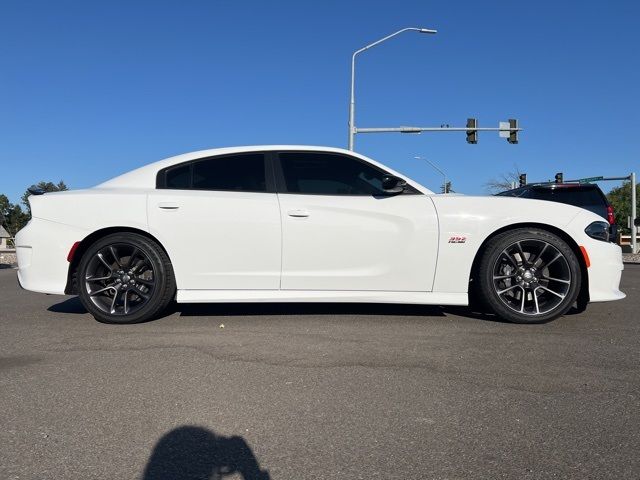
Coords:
444,175
352,103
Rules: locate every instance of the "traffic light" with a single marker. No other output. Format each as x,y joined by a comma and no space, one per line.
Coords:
523,179
559,177
513,134
472,133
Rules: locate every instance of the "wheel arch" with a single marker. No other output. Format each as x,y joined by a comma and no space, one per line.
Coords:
583,295
71,287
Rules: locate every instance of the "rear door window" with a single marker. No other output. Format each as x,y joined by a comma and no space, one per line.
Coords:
179,177
243,172
238,173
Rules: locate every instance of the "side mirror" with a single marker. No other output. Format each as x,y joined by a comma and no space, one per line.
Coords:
393,184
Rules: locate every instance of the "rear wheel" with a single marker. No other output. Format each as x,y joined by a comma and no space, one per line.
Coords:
125,278
529,276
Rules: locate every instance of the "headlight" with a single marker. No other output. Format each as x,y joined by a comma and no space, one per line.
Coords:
598,230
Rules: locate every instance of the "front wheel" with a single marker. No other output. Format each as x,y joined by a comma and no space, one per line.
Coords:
529,275
125,278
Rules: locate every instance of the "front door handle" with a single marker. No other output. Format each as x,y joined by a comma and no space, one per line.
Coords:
299,212
168,205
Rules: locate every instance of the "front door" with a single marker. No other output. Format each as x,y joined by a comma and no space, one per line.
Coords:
341,231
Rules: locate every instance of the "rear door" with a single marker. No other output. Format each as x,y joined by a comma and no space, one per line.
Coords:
219,220
340,231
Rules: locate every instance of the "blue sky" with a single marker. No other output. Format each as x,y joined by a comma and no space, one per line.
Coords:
89,90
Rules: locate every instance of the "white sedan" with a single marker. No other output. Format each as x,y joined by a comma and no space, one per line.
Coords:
308,224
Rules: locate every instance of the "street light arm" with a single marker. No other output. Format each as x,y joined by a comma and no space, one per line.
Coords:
431,163
377,42
436,167
444,175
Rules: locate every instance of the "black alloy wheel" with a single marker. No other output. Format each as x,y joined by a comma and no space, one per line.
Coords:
125,278
529,276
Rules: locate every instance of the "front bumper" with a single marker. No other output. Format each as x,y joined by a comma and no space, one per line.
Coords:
605,271
605,258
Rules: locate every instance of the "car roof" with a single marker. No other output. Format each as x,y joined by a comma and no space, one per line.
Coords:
145,176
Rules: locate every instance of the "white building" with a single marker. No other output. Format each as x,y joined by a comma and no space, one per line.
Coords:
4,236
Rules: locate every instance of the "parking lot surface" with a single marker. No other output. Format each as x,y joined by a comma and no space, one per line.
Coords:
317,391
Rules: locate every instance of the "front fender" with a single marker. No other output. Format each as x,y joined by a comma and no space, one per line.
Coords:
467,222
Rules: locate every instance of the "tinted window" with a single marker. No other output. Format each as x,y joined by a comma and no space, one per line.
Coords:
572,196
329,174
240,173
244,173
590,199
179,177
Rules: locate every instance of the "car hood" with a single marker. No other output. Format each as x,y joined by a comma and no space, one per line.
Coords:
508,210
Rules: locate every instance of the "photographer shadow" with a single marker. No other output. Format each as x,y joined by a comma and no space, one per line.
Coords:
196,453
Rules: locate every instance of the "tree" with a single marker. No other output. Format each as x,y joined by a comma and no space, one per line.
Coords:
620,200
504,181
47,187
12,217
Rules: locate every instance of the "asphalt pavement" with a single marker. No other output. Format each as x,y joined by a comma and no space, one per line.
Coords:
317,392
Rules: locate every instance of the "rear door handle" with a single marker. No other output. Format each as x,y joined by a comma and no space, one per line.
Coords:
168,205
298,213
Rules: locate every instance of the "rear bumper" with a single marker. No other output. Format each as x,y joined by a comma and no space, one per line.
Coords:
42,248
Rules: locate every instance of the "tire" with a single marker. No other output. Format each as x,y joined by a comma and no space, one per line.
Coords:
528,275
125,278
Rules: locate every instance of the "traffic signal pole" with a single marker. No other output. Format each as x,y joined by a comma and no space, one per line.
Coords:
634,240
434,129
508,130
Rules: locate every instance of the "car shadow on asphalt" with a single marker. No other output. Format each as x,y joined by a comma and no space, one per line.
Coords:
257,309
373,309
74,306
69,305
190,453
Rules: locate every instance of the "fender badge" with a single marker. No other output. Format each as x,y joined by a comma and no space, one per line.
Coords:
457,239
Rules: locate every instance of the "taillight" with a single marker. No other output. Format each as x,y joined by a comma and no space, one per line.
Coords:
611,218
72,252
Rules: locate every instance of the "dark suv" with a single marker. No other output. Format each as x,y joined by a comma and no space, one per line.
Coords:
585,195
